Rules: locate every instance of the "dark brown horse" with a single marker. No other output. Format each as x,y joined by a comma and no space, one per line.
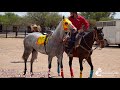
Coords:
84,50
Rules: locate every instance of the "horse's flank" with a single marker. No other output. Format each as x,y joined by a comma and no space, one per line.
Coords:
83,48
53,46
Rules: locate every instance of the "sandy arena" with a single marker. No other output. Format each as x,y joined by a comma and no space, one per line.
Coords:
106,62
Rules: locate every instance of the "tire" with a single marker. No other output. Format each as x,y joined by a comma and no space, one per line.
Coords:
119,45
106,43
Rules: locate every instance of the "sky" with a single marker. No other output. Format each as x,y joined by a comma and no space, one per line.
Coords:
66,14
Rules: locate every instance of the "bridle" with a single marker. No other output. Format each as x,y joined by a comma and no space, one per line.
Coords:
96,37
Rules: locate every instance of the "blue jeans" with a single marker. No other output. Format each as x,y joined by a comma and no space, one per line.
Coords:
71,42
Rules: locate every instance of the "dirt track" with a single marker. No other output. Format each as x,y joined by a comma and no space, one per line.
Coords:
11,63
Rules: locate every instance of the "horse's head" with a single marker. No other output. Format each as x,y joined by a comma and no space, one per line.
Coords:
68,27
99,36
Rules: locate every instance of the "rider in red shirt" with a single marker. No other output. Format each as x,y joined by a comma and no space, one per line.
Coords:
81,24
78,21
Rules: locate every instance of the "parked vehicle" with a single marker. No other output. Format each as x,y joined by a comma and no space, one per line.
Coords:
111,30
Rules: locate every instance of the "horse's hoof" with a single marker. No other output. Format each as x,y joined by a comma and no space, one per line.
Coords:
24,73
49,76
58,74
89,77
32,74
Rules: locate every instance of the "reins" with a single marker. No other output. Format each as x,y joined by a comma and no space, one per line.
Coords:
94,37
89,51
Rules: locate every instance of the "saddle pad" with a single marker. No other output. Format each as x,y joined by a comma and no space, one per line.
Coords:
41,40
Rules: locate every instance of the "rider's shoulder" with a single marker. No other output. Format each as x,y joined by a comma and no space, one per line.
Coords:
80,17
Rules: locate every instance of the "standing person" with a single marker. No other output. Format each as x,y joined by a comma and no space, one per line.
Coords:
81,24
36,28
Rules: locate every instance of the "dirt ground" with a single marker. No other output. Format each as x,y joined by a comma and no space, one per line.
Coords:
106,62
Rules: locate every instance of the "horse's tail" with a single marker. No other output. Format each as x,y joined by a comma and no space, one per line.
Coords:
23,56
26,54
27,50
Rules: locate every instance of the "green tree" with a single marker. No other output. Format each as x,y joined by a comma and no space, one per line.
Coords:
12,19
93,17
44,19
9,19
53,19
98,15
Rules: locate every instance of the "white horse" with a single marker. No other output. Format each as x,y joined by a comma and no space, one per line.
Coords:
53,47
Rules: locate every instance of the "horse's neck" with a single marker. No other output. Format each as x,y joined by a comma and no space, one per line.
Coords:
55,40
89,39
58,34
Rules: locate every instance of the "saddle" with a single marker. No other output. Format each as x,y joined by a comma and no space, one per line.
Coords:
42,40
79,38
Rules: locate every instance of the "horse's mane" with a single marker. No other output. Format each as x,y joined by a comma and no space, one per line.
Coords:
87,38
88,34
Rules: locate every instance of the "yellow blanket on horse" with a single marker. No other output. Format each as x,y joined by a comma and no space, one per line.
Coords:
41,40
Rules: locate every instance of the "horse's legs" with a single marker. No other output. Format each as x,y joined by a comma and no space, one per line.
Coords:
58,68
49,65
91,65
70,65
25,56
25,68
81,67
60,57
34,56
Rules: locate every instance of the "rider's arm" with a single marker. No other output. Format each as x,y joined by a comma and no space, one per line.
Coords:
85,23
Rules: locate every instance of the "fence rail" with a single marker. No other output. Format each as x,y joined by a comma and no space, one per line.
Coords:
11,34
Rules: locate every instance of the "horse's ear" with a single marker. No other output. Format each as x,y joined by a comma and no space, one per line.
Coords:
63,17
95,28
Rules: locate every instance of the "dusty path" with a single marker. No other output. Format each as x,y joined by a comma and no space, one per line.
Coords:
11,63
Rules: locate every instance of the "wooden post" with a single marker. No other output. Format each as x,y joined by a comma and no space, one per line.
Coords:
6,32
16,33
25,32
15,29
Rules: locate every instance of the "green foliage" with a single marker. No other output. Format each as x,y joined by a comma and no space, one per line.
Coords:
98,15
9,19
93,17
44,19
50,19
